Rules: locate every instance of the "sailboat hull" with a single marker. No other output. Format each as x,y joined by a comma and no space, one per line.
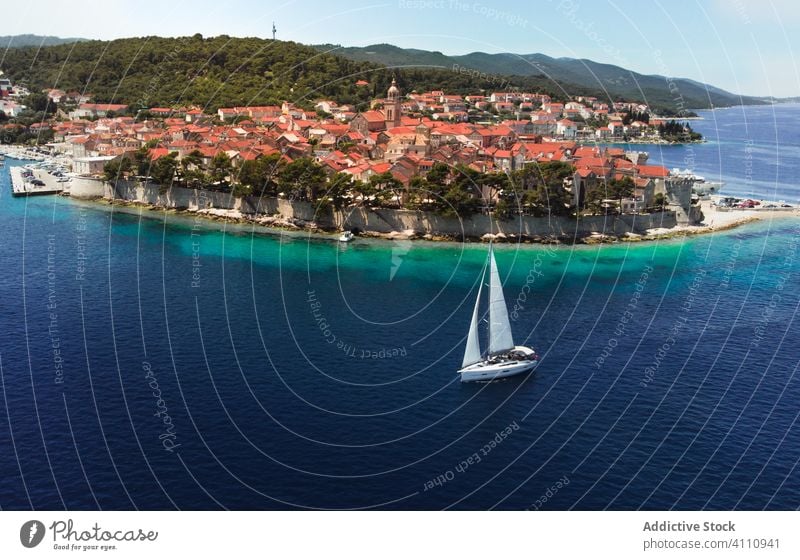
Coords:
489,371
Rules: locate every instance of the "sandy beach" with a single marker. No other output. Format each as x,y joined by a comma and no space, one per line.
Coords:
716,218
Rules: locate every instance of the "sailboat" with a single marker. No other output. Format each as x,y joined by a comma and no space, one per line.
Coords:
503,358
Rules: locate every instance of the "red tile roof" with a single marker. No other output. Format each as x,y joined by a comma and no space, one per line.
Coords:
102,107
373,116
381,167
652,171
156,153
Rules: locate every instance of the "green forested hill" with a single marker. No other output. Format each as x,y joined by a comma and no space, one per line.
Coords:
209,72
28,40
223,71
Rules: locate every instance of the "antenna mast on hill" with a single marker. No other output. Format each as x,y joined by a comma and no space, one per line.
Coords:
273,30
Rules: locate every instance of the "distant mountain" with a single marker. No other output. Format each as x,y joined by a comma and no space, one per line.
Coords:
606,80
28,40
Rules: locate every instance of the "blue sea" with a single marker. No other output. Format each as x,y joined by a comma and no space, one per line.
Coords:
754,151
152,361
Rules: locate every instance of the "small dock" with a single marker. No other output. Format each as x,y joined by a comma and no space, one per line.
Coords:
18,152
22,187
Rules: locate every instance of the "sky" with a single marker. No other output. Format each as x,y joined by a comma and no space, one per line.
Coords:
744,46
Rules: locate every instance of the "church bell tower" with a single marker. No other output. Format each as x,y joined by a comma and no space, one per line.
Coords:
392,105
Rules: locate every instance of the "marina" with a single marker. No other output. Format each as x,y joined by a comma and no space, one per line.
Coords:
23,153
30,182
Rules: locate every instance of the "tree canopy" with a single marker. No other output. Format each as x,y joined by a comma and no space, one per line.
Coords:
537,189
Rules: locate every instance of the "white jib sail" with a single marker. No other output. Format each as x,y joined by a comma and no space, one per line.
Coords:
500,338
472,354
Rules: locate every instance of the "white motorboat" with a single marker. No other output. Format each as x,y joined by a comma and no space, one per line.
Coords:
503,358
347,237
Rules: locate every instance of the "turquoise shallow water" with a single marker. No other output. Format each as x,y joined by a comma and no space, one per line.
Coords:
300,373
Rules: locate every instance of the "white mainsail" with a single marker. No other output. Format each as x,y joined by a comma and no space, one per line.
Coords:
472,354
500,338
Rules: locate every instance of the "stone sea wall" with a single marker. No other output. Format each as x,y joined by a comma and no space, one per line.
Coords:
386,221
383,221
